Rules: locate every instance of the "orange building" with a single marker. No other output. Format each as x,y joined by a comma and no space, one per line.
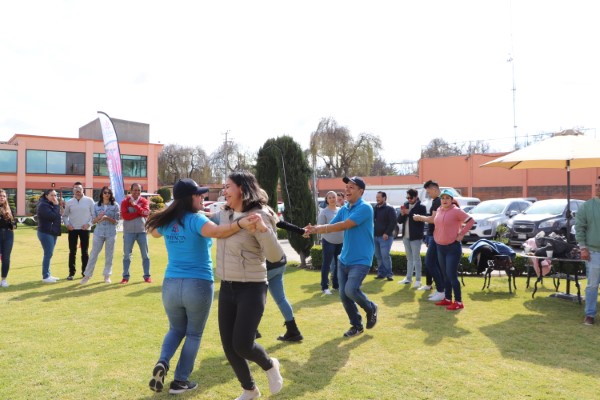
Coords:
464,173
30,164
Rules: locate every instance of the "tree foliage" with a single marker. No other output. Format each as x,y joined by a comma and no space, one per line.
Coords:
281,162
438,147
177,161
229,157
343,154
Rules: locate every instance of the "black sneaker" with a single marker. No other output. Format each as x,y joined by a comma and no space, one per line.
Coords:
372,317
157,383
353,331
178,387
70,277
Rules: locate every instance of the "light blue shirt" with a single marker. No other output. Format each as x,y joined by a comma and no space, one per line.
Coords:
106,228
187,250
359,242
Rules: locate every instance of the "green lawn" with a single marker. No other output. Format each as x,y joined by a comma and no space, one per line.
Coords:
99,341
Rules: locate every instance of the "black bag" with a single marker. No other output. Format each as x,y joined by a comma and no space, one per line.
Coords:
560,246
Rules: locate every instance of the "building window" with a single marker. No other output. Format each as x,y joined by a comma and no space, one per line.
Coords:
8,161
55,162
133,166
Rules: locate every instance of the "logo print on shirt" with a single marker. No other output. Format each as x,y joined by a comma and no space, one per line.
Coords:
175,228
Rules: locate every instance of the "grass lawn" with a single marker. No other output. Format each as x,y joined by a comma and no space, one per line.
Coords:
100,341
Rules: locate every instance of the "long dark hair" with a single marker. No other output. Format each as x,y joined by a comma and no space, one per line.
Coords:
252,194
111,199
177,210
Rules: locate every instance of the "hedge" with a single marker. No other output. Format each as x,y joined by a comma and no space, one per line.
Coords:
399,262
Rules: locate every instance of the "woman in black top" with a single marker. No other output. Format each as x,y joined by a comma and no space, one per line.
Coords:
49,214
8,223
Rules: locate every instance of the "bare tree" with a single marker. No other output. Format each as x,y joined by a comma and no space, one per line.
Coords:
340,152
438,147
228,157
177,161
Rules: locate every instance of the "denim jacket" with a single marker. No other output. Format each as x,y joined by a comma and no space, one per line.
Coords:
107,228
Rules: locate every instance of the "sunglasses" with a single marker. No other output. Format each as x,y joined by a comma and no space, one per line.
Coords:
106,193
409,197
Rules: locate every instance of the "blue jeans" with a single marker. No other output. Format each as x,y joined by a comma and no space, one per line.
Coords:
331,251
382,253
351,278
432,263
48,242
449,258
412,248
142,240
97,244
275,278
7,239
187,303
593,280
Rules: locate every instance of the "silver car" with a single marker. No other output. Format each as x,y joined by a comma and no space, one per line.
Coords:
491,214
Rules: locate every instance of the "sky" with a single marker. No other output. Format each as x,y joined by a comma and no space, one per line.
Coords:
406,71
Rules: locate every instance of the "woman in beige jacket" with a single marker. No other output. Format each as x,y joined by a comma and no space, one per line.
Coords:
241,266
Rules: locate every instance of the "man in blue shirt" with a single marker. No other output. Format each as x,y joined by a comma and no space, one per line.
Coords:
355,218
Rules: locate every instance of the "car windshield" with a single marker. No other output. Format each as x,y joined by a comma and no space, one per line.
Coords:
547,207
489,207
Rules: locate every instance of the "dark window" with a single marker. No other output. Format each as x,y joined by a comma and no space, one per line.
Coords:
55,162
133,166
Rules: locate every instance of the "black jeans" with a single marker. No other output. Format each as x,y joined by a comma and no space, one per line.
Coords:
84,239
241,306
7,238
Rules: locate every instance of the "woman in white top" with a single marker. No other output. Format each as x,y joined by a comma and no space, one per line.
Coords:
331,244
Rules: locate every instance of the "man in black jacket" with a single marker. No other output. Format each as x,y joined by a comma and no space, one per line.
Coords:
384,224
412,236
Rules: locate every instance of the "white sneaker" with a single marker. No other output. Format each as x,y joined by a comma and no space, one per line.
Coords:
437,296
250,394
327,291
274,377
85,280
55,278
3,283
417,285
107,279
50,279
425,287
405,281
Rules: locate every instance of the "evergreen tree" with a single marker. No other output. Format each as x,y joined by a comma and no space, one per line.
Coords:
282,162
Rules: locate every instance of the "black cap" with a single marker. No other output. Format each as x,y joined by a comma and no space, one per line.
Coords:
356,180
187,187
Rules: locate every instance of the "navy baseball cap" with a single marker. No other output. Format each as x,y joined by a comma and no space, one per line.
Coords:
356,180
187,187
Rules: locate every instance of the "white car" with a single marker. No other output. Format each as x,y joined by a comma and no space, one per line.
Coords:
490,214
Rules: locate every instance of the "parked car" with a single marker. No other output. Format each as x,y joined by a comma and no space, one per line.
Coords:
543,215
491,214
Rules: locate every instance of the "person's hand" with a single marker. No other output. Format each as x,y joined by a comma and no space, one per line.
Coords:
249,222
85,227
585,254
70,227
309,230
418,217
459,237
385,236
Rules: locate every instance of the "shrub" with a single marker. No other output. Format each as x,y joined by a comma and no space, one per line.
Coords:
165,193
156,203
282,234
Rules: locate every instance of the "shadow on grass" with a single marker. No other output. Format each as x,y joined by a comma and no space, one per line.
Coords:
66,289
437,322
545,338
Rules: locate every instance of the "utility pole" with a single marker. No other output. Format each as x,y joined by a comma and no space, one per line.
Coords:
225,172
512,63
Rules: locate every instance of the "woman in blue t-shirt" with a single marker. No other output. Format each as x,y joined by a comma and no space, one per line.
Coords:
188,287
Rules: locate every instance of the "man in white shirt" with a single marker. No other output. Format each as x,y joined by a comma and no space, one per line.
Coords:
78,216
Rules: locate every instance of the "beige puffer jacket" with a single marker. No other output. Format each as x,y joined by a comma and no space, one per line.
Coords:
241,257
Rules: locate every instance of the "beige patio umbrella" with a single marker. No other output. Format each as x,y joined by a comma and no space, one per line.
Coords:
562,151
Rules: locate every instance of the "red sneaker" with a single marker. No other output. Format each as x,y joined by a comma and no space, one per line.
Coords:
455,306
148,280
444,302
124,280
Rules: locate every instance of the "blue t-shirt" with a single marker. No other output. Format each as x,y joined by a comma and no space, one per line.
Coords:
188,251
359,244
